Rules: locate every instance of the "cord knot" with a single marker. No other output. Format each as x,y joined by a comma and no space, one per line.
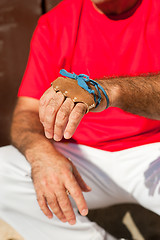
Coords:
82,80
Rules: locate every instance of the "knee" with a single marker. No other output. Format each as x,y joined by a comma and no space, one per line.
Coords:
5,158
4,172
3,184
9,160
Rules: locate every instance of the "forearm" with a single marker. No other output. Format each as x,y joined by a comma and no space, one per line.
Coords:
138,95
27,135
52,173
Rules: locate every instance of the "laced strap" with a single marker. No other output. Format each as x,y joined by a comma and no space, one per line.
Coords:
82,80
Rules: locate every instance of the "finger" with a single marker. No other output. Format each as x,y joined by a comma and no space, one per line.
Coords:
44,100
43,205
62,118
50,114
74,119
76,193
53,204
84,187
66,206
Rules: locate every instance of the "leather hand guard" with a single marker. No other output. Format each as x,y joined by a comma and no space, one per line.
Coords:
70,88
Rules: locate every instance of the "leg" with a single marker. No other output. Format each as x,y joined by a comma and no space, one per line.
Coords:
131,175
138,172
18,205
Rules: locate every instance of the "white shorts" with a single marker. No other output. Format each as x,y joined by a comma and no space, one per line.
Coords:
127,176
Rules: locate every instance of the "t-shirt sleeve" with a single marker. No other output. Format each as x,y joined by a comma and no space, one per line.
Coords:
39,71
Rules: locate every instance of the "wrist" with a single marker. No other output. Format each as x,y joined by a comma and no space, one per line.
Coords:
36,151
113,91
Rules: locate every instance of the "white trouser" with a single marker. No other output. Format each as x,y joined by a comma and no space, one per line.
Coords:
130,175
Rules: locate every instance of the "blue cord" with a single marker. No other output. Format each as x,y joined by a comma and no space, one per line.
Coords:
81,80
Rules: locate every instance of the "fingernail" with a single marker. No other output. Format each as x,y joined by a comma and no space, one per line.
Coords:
48,135
72,222
49,216
67,135
64,220
57,138
89,188
84,212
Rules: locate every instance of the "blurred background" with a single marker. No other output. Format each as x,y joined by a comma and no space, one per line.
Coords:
17,22
18,19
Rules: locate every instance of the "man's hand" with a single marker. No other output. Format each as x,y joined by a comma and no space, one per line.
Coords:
52,173
59,116
52,177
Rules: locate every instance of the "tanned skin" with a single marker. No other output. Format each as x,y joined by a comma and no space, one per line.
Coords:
52,173
113,7
139,95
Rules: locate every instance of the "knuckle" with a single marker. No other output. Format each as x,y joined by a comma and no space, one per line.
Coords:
43,182
62,114
70,217
64,204
48,128
50,110
60,95
43,208
77,194
57,212
59,124
61,199
47,122
50,201
67,211
76,116
56,181
80,108
55,209
69,177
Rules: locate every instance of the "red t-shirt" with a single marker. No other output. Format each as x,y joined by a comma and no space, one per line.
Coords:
78,38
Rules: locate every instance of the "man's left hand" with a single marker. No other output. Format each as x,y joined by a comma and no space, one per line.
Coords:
60,116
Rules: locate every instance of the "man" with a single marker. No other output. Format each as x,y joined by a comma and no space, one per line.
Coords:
111,155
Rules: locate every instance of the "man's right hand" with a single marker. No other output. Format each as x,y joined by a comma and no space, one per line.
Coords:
52,173
52,176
